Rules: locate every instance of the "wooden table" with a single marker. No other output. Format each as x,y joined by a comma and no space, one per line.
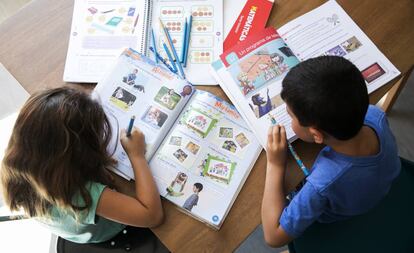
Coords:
33,46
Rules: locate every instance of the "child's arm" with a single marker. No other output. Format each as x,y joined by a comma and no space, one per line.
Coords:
145,210
274,198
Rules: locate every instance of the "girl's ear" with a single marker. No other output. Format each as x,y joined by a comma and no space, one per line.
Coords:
317,135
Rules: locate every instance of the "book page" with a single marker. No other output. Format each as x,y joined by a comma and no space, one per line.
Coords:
251,74
137,86
211,145
206,39
328,30
101,30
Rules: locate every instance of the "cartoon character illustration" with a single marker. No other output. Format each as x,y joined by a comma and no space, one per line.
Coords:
192,201
220,170
279,67
200,168
198,121
130,80
175,189
257,69
245,83
267,70
263,106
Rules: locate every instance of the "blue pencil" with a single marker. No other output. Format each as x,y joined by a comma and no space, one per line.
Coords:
131,124
177,60
154,44
184,41
167,51
162,60
187,38
294,154
298,160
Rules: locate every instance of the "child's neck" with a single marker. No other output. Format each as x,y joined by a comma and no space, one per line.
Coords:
365,143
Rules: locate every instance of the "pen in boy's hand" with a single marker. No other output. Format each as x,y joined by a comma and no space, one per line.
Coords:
131,124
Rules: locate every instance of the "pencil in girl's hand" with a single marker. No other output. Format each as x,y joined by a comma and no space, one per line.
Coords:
131,124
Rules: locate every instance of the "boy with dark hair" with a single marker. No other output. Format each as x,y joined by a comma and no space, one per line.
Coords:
193,199
327,100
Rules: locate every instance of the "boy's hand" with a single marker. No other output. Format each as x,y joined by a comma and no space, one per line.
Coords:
276,146
134,145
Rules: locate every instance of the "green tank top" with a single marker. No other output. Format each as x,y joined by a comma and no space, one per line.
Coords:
89,227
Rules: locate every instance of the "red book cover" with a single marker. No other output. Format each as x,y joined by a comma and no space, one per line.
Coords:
254,41
251,19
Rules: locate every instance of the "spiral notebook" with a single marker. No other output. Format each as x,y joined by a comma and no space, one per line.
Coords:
102,29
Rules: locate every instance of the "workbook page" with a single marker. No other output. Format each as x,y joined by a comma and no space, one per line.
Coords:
101,30
328,30
251,75
136,86
206,39
210,145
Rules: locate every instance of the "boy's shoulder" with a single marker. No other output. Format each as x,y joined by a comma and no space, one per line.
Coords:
374,115
327,169
331,166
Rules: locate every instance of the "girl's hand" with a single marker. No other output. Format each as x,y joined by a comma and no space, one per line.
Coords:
276,146
134,145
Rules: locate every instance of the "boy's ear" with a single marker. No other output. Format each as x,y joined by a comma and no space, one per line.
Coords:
317,135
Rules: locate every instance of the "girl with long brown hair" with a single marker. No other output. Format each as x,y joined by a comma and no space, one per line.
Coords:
55,169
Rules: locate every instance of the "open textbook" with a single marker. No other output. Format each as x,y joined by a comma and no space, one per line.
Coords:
102,29
251,73
199,148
